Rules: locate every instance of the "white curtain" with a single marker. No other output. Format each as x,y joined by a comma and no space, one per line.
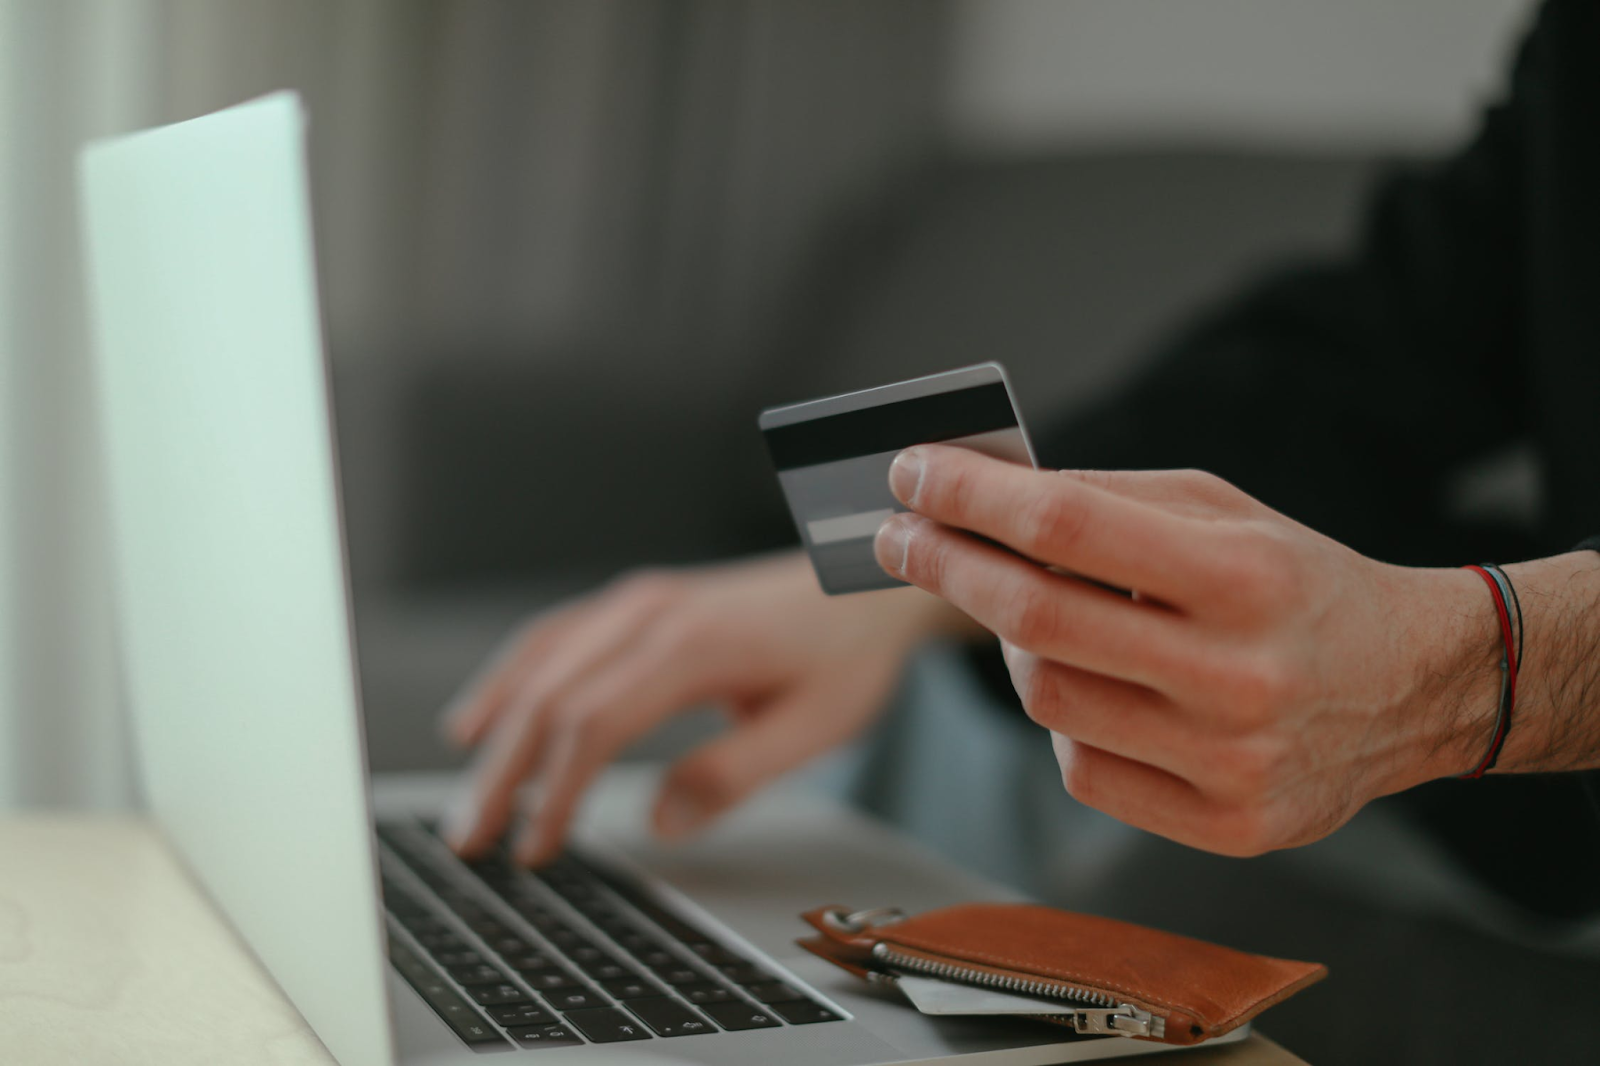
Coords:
67,71
488,175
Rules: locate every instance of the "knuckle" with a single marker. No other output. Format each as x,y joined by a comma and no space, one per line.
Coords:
583,724
925,558
1248,771
1053,519
1259,686
1099,479
1077,773
709,780
1210,489
648,587
1031,616
1203,482
688,628
1036,688
950,491
1263,568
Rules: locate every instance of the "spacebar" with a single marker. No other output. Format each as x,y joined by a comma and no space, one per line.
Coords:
462,1018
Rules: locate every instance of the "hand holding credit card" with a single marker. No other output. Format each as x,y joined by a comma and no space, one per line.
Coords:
833,456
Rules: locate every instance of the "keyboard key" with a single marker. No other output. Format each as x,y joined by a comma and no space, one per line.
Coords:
737,1014
803,1012
424,923
680,975
618,929
606,1025
442,941
704,993
488,928
568,940
462,957
545,1036
454,1011
771,991
543,921
715,954
629,988
495,995
529,961
403,907
568,999
745,974
476,975
463,904
521,1014
656,958
607,970
668,1017
510,945
554,977
598,911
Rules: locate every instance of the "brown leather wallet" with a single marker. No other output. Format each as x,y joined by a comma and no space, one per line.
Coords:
1112,977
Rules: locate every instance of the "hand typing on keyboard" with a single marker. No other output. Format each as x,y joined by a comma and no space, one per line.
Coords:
798,672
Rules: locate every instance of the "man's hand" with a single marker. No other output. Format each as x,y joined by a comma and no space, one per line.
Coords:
1259,685
798,672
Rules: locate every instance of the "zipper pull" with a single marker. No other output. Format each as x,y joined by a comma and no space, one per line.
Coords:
1122,1020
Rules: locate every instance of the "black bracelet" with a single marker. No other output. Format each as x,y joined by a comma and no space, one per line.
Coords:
1505,598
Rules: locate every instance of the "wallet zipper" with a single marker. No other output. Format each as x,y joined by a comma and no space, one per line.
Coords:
1100,1015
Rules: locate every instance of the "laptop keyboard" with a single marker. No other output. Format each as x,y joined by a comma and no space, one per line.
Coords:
570,954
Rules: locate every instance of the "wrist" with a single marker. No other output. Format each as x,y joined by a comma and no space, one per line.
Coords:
1555,723
1454,676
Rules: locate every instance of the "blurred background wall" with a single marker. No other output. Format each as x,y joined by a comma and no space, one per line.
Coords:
569,248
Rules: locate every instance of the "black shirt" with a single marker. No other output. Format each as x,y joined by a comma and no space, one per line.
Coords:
1348,394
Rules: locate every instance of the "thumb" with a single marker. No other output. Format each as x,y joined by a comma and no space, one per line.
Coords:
719,774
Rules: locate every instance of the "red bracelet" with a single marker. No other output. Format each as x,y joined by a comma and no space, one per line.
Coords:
1510,660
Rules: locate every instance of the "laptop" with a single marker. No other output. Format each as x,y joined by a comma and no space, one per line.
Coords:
236,638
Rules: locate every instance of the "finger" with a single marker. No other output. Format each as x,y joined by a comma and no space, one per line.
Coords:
502,764
1060,521
1162,803
594,722
1133,792
481,701
1052,615
721,773
1103,712
587,646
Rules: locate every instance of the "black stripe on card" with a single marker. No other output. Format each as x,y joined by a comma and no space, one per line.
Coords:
892,426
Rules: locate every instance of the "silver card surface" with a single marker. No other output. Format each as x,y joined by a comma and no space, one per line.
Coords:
833,456
932,996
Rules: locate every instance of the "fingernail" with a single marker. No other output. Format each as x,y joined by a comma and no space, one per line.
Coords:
905,475
457,824
525,849
893,542
680,814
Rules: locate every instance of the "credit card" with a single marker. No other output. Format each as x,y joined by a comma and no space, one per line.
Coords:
932,996
833,456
